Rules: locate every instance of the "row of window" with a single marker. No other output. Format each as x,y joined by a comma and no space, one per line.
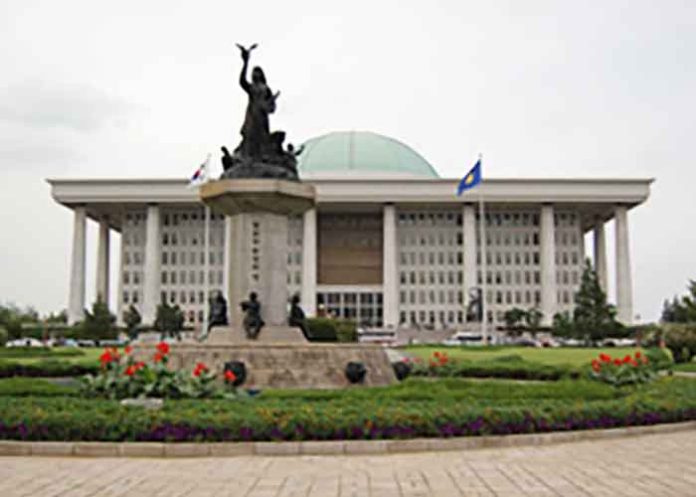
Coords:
182,297
492,277
492,219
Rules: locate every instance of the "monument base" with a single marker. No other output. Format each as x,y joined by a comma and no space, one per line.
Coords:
228,335
284,364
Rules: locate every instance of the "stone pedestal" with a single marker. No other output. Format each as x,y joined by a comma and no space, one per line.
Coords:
257,228
283,365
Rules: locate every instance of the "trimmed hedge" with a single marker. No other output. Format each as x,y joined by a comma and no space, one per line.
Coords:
47,368
322,330
33,352
393,412
509,367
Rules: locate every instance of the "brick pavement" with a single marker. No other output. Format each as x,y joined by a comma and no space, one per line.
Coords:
646,465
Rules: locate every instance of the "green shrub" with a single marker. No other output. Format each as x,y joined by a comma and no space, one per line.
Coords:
322,330
4,335
49,368
509,366
32,352
681,341
346,331
387,413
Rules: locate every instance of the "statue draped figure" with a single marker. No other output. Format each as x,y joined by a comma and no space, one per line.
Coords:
261,153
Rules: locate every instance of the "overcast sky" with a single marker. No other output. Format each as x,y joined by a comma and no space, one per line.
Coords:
601,88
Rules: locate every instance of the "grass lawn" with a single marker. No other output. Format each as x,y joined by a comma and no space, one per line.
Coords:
66,354
689,367
551,356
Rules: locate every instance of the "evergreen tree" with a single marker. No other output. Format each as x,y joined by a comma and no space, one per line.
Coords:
513,319
132,319
169,319
533,318
593,317
681,310
99,323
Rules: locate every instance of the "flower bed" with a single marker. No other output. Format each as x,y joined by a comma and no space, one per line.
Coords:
415,408
121,376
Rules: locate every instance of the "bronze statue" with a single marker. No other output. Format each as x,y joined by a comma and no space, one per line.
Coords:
252,320
256,129
474,311
261,153
297,316
217,312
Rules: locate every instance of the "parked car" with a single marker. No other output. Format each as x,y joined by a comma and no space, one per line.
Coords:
86,343
25,342
376,335
618,342
70,342
465,338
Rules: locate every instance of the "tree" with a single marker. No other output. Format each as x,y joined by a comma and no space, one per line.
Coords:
132,319
563,325
169,319
681,310
99,323
533,318
513,319
593,317
13,317
58,318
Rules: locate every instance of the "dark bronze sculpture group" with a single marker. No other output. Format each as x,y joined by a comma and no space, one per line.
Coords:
253,323
261,153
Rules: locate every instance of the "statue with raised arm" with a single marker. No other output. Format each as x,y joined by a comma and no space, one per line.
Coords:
261,153
255,130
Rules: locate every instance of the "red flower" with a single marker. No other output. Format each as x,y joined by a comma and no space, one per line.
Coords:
627,359
634,363
107,357
638,354
436,354
617,362
230,377
128,350
139,365
604,358
596,365
131,370
200,368
163,348
158,357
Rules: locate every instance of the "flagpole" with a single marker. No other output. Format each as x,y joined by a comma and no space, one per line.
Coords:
484,263
206,260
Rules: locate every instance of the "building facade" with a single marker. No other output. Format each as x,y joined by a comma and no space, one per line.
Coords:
389,243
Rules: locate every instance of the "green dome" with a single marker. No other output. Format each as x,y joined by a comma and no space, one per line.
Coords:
361,154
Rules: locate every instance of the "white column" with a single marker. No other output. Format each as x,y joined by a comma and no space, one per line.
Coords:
390,268
103,262
548,264
624,292
76,298
153,255
309,263
600,254
469,252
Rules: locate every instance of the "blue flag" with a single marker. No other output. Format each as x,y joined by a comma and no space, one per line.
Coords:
470,179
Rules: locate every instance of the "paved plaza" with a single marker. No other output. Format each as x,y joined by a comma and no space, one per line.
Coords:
647,465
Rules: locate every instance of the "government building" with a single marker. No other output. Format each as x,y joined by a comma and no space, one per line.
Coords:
389,244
